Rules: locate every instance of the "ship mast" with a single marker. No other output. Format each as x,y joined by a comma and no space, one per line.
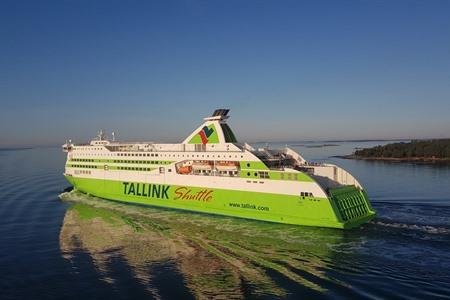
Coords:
101,135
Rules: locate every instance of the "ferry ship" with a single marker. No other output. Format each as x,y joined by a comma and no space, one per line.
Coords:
211,172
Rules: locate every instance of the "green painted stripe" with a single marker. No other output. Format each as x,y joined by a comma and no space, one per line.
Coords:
252,169
253,165
278,208
276,175
280,175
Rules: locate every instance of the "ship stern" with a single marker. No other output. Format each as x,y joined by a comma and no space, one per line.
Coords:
351,206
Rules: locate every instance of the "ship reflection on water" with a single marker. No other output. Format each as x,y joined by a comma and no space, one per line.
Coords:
202,256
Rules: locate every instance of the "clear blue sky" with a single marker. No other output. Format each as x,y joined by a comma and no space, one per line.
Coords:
288,70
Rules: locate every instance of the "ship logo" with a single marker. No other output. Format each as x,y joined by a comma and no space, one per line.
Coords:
205,133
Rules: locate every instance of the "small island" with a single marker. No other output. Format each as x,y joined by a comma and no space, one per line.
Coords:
435,151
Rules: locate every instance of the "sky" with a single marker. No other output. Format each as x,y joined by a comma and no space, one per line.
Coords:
288,70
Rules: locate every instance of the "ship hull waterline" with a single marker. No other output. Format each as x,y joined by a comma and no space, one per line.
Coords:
270,207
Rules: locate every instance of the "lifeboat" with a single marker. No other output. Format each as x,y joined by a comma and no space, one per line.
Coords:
185,170
226,163
226,166
201,166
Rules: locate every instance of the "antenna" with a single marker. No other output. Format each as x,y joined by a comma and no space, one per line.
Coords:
113,136
100,135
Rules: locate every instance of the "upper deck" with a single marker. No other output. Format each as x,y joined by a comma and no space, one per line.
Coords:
213,143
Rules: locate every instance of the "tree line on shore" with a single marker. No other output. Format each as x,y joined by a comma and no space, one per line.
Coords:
436,148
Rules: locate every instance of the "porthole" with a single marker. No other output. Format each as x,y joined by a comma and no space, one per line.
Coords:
248,165
248,174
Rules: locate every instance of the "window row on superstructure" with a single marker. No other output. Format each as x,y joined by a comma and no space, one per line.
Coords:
87,148
82,172
306,194
289,176
134,169
82,159
181,155
153,162
84,166
122,161
138,154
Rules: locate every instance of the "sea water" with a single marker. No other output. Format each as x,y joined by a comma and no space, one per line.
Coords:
61,244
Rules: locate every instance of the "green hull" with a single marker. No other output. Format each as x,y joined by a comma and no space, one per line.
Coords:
347,208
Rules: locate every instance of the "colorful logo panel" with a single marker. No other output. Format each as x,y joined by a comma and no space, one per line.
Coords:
205,133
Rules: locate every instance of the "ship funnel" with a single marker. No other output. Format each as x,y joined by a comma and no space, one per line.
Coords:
219,114
214,130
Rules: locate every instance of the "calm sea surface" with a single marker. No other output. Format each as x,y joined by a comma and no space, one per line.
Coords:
56,245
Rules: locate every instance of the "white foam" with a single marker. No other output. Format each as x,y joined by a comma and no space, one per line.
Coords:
422,228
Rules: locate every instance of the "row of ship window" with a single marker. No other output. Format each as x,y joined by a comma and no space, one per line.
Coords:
141,161
78,172
261,174
174,155
209,172
289,176
124,161
84,166
86,148
134,169
82,159
306,194
265,175
138,154
163,155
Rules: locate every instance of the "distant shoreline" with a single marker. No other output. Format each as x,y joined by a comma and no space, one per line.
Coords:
418,151
314,146
16,148
397,159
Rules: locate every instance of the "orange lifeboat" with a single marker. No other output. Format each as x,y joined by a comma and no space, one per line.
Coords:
185,170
